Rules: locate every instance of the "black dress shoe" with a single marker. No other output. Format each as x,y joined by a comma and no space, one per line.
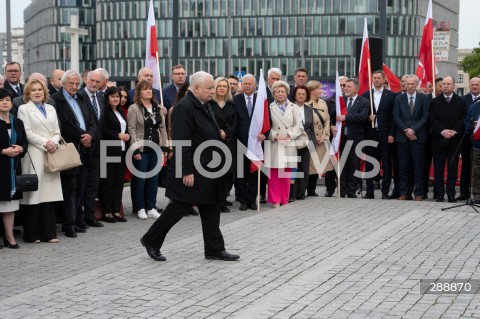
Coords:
224,209
253,206
154,253
291,200
7,244
223,255
70,232
312,194
369,195
263,200
227,203
93,223
79,230
328,194
243,206
394,196
351,196
463,197
385,196
119,218
301,197
451,199
440,199
109,219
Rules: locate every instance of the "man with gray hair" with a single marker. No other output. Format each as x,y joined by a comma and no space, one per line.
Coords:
273,75
192,121
104,80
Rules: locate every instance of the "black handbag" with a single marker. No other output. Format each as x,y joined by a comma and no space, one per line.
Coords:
26,182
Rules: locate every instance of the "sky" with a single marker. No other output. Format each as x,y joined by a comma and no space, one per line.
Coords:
469,31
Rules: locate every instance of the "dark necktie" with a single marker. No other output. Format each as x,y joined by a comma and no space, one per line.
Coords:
350,102
95,106
249,105
411,105
17,88
448,99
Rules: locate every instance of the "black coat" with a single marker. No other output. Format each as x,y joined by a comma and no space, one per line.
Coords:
191,121
9,87
308,126
243,119
356,119
5,162
447,116
418,121
385,124
70,127
226,118
111,129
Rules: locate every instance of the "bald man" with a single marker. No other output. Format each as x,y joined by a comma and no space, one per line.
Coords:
55,83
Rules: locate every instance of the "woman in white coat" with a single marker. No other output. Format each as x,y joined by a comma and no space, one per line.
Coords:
286,126
43,134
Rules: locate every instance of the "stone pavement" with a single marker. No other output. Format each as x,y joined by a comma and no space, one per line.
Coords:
316,258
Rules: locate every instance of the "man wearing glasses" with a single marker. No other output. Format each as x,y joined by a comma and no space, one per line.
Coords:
170,92
13,72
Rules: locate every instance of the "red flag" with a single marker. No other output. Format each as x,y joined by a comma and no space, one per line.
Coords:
426,62
342,110
153,41
152,47
393,80
259,124
364,76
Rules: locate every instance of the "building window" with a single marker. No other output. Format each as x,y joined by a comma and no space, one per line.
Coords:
460,78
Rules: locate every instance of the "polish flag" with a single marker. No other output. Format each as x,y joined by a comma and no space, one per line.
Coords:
259,124
342,110
152,46
364,76
476,131
426,61
393,80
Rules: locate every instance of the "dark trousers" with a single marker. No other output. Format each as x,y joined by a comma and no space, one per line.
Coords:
302,167
111,187
73,188
209,215
439,160
312,183
39,222
91,188
330,181
247,185
348,182
411,155
465,177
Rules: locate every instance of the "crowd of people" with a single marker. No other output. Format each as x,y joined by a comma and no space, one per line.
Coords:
413,128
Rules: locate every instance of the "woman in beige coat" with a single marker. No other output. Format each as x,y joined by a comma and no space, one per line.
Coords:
43,134
321,123
286,126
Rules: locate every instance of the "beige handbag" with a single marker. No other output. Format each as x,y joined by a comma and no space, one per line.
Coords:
65,157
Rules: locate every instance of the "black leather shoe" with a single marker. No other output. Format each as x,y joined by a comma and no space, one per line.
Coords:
84,226
70,232
328,194
80,230
351,196
7,244
224,209
451,199
312,194
263,200
394,196
109,219
193,212
223,255
291,200
243,206
385,196
252,206
369,195
440,199
301,197
227,203
119,218
463,197
154,253
93,223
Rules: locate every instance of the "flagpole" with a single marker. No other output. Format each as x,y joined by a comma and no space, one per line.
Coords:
338,173
159,78
370,89
258,190
433,71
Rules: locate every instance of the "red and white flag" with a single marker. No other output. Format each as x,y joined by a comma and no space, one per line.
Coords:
476,131
259,124
152,46
341,109
393,80
426,62
364,76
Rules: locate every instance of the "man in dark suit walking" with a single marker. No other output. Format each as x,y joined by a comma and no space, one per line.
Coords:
178,77
13,72
383,132
411,116
447,114
77,125
96,104
353,130
193,122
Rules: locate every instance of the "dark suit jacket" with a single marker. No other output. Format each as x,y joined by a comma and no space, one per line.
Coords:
101,104
243,119
356,118
8,86
169,95
308,124
51,89
386,125
447,116
404,119
468,99
70,127
192,121
111,129
270,98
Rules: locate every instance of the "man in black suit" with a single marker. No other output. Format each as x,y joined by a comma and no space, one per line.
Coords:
246,186
96,105
233,84
147,75
411,116
273,75
77,125
13,72
353,130
383,132
474,95
447,114
55,83
300,78
178,77
193,122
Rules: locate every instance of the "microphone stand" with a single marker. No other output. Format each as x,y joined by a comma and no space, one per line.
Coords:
470,202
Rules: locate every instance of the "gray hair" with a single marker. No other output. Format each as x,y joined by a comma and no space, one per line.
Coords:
70,74
93,72
249,76
103,73
38,76
198,77
355,82
279,84
409,76
342,77
277,71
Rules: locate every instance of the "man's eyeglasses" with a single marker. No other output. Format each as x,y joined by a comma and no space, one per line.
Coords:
343,85
13,71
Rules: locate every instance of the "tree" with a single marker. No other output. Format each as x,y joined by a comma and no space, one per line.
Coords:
471,63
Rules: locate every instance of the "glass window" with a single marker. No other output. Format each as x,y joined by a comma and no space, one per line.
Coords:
257,47
244,27
219,48
273,47
268,26
341,25
247,7
276,26
281,46
259,26
317,25
325,25
333,25
339,45
284,25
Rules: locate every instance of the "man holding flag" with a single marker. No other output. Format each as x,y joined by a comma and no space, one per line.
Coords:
472,124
